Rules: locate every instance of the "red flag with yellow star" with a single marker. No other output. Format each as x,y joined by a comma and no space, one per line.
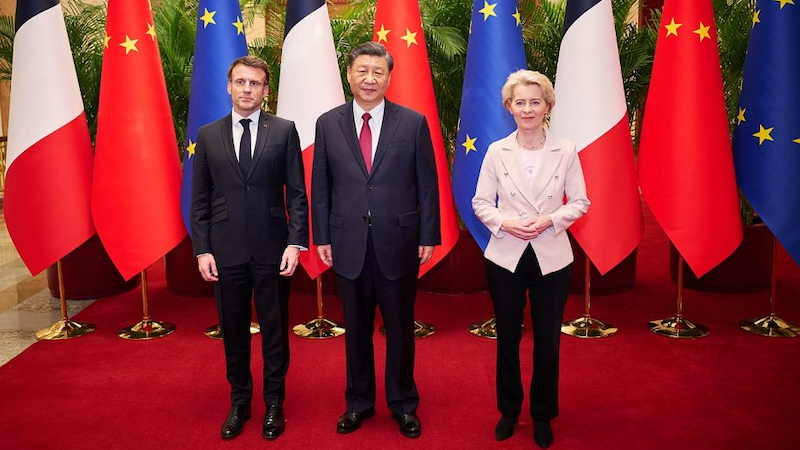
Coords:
685,159
398,26
137,177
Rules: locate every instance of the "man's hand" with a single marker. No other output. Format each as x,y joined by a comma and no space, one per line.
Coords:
425,253
208,267
325,254
289,261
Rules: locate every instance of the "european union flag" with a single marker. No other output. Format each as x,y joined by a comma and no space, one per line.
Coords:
495,50
219,40
766,144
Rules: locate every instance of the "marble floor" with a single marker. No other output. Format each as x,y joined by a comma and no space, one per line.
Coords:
26,305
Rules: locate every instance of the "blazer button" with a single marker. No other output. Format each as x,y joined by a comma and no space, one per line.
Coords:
520,213
513,194
556,175
505,173
369,186
247,188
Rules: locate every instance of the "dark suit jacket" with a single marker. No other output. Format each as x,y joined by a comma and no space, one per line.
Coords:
400,193
236,217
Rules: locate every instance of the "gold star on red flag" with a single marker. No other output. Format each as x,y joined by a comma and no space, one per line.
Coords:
151,30
410,38
106,39
382,33
672,27
702,32
129,44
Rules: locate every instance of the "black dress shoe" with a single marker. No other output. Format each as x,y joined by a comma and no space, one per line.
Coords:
409,425
350,421
274,423
542,434
234,423
504,428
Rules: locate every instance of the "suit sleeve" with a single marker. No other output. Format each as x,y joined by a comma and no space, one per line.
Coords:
320,189
427,188
484,203
575,191
201,195
296,199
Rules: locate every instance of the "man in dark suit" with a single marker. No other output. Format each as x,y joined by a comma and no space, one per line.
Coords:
375,205
248,173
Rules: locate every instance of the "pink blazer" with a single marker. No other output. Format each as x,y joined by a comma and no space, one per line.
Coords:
502,178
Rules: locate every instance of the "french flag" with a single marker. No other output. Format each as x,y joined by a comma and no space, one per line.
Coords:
591,112
49,176
310,85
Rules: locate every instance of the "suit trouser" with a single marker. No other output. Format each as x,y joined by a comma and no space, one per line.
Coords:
548,295
236,287
396,301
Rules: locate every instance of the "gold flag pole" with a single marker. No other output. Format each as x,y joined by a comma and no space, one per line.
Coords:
771,325
64,328
319,328
146,328
484,328
677,326
586,326
215,331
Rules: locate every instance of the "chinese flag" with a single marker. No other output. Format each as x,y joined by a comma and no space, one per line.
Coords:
137,175
398,26
685,159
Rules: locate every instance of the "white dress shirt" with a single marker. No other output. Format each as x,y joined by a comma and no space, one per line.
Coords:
375,121
238,130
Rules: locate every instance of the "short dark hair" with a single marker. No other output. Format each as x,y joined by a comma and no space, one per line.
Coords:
370,48
250,61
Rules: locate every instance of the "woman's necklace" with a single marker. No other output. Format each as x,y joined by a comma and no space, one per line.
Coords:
532,147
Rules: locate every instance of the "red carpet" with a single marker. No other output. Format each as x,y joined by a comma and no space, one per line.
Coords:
637,390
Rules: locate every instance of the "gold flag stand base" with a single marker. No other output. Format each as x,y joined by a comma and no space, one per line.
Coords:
215,331
421,329
770,326
587,327
319,328
147,329
678,327
64,329
485,329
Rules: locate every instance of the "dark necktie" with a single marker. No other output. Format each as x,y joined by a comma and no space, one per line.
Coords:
365,141
244,148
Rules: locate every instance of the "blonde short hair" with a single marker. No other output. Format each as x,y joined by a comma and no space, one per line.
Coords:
527,78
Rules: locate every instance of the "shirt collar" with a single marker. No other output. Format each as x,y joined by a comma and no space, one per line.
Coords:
253,117
376,112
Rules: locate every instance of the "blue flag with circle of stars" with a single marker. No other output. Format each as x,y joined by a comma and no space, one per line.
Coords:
219,40
766,142
495,50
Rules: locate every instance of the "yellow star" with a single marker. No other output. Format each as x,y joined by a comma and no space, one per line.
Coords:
410,38
151,30
702,32
129,44
763,134
207,17
784,2
740,116
469,144
190,148
672,27
239,26
105,41
517,16
796,141
756,19
382,34
488,10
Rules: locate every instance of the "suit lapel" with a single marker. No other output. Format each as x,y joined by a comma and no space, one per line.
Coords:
348,125
550,162
227,143
391,120
512,162
261,140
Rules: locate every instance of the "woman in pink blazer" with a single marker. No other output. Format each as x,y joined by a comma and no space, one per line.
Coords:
530,190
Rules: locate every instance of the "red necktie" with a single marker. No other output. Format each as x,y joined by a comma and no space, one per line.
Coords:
365,141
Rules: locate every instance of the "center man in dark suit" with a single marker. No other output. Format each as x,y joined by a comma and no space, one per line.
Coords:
248,173
375,213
